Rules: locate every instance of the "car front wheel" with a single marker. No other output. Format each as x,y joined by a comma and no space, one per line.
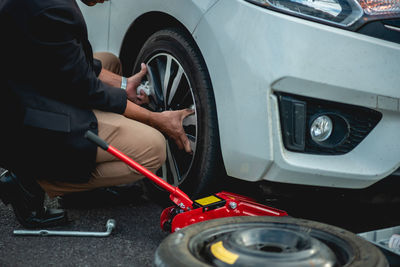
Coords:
178,79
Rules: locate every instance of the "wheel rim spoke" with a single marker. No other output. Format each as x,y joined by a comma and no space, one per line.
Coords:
171,90
164,173
175,85
167,76
154,74
190,120
172,166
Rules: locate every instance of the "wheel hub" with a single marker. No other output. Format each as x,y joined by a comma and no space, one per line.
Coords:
265,246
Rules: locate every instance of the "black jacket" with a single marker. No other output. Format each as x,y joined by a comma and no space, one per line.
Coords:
48,89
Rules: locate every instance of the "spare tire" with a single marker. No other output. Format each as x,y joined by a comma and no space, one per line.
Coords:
266,241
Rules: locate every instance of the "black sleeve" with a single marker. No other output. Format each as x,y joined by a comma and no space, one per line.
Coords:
59,37
97,66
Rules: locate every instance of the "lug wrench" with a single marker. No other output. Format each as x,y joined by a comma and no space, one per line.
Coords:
111,224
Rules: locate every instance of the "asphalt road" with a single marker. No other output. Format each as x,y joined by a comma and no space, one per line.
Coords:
132,243
138,234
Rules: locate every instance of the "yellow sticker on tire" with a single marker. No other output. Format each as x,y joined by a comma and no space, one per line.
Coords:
221,253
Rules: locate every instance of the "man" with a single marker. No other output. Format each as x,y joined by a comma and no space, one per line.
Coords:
52,91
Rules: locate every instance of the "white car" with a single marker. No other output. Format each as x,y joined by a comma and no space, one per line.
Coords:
293,91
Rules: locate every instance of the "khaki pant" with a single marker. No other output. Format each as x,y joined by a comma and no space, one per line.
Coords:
138,141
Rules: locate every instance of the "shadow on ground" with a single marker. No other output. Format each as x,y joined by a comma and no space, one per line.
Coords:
132,243
138,233
358,211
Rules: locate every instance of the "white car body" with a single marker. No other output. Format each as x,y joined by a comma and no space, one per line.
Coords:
250,52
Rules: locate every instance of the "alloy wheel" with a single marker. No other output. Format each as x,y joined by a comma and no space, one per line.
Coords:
170,89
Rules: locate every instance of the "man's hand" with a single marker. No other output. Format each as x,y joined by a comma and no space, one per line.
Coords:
170,123
167,122
132,84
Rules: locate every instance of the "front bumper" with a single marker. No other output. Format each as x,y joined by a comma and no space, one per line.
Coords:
256,52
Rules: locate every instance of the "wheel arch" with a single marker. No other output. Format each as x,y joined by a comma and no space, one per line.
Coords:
139,31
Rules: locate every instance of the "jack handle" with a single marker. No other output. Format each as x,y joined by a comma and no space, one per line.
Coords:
176,195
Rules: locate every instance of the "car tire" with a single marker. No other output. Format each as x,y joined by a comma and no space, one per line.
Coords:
197,172
266,241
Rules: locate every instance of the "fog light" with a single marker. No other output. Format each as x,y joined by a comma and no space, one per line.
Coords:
321,128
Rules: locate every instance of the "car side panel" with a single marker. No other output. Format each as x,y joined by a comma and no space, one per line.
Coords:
97,20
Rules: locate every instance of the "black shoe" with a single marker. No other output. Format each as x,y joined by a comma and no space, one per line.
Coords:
28,204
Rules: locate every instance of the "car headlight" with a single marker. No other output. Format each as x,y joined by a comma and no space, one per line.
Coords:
344,13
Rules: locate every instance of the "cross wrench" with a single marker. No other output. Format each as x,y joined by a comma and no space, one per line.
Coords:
111,224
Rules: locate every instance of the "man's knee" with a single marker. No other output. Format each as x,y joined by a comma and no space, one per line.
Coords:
144,144
141,142
109,61
157,150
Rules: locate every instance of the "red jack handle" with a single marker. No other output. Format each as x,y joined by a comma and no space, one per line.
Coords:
176,195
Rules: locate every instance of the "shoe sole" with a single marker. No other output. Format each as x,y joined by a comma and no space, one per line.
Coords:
29,222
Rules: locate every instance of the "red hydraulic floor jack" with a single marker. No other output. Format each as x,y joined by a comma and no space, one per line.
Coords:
186,211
